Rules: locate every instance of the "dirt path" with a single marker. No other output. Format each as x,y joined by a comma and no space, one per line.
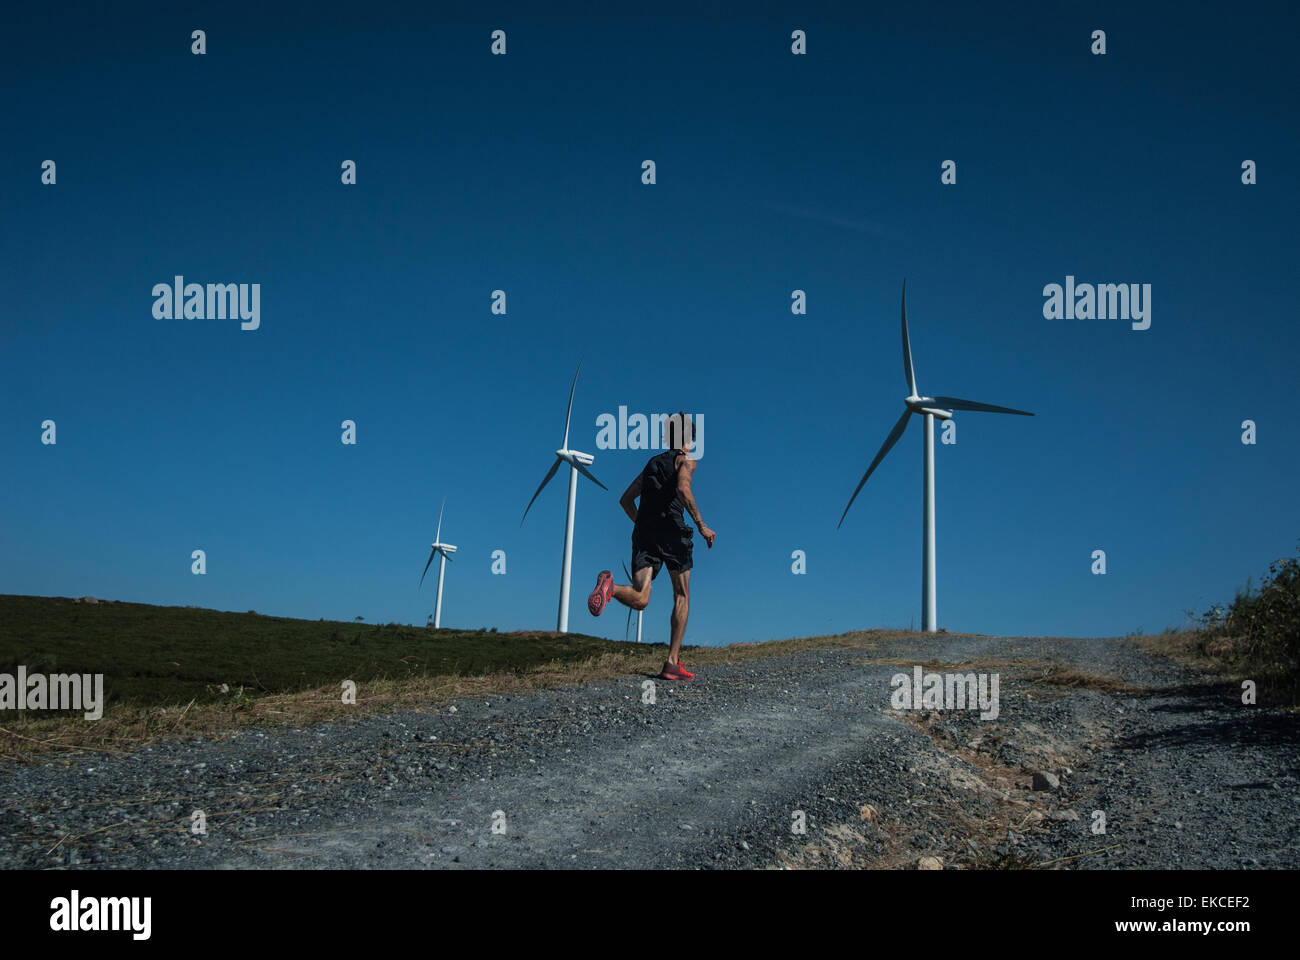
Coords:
716,773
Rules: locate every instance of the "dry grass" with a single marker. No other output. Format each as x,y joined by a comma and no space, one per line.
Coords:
1198,650
983,665
1228,658
1073,679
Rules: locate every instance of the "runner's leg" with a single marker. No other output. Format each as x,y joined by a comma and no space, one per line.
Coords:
636,596
681,610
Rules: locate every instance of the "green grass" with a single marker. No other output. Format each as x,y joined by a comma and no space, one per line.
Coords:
171,655
165,667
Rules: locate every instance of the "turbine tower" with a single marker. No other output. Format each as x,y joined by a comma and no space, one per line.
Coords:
931,408
578,463
443,551
628,626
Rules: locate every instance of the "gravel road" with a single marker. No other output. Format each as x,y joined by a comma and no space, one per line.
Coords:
714,774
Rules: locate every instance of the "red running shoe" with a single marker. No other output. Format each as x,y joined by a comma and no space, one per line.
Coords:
602,594
673,671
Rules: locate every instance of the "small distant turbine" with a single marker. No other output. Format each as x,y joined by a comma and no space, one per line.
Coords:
930,408
628,626
443,551
578,463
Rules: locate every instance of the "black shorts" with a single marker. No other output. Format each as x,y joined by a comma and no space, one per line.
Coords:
655,549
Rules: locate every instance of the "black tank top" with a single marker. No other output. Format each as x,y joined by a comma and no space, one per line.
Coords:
660,509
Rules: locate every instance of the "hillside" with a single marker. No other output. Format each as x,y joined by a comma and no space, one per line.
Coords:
152,655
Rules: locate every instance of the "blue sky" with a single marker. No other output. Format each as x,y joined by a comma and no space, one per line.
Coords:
523,173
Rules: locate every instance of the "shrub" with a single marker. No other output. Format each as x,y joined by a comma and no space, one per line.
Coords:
1260,629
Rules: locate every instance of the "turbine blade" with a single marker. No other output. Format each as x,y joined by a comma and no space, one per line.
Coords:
437,537
426,568
568,413
884,449
907,349
956,403
587,473
628,626
446,554
545,480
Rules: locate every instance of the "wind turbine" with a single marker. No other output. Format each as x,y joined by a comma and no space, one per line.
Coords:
578,463
930,408
443,551
628,625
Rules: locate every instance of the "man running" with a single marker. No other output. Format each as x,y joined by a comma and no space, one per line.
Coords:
660,537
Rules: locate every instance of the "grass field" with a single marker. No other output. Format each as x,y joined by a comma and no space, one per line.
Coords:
159,655
177,671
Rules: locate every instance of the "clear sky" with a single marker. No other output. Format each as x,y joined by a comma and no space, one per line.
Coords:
522,172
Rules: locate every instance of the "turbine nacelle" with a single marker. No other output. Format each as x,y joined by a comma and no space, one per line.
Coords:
446,548
575,457
925,405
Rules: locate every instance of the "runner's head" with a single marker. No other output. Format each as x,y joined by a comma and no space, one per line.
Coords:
679,432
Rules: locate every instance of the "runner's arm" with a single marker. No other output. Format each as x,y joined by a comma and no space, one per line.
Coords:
628,500
687,498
